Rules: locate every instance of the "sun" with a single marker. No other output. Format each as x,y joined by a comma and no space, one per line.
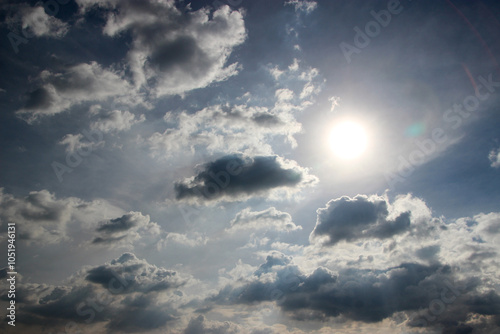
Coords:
348,140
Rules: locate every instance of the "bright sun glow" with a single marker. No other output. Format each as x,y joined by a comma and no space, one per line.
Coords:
348,140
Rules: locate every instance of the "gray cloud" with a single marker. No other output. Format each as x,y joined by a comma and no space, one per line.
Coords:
42,218
173,50
225,128
79,83
235,176
269,219
200,325
125,295
35,22
125,229
369,295
351,219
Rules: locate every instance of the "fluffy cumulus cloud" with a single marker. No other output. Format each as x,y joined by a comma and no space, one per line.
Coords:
42,218
115,121
223,128
34,21
174,50
79,83
306,6
235,177
495,158
125,229
127,295
351,219
269,219
439,277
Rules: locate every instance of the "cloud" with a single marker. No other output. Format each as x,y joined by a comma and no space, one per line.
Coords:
495,158
77,84
306,6
35,22
125,295
125,229
78,143
367,296
221,128
350,219
116,121
269,219
43,219
437,275
200,325
234,177
183,239
174,50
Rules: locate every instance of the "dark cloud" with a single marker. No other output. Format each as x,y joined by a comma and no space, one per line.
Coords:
125,229
269,219
125,295
235,176
277,259
369,295
351,219
199,325
42,218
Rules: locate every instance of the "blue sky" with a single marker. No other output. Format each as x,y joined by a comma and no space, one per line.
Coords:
237,166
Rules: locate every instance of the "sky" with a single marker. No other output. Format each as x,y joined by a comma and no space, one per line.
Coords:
250,166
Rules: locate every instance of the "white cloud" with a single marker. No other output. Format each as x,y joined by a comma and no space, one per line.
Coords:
269,219
222,128
335,102
77,143
79,83
35,22
116,121
306,6
174,51
495,158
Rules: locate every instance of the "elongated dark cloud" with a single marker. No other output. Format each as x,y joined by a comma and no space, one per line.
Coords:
125,229
351,219
235,176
